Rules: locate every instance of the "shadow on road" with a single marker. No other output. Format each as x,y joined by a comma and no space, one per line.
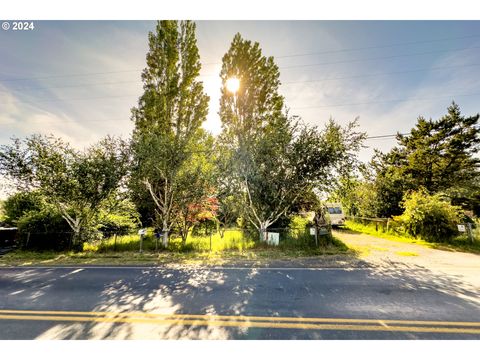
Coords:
394,291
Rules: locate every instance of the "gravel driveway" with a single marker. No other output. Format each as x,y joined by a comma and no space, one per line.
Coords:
389,255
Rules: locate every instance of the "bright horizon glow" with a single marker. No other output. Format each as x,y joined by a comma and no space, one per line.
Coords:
233,84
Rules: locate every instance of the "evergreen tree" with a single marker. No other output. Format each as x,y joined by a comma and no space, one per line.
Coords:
440,156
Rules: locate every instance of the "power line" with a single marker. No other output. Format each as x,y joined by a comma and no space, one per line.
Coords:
383,101
379,74
215,75
85,98
377,58
363,48
72,86
376,46
385,136
296,108
284,83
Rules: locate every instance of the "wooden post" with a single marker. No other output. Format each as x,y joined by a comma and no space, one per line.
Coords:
210,240
469,232
28,239
115,242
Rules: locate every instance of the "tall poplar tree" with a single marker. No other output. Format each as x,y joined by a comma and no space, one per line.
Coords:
271,159
168,118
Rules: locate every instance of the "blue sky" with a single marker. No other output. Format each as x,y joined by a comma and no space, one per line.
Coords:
79,79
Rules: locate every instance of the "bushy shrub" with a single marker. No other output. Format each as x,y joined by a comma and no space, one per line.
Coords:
430,217
117,224
21,203
298,222
44,230
118,217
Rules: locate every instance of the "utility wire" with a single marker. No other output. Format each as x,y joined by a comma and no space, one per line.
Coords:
283,83
363,48
296,108
385,136
378,74
382,101
376,47
376,58
215,75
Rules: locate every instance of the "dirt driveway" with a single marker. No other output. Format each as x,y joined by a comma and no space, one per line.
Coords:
389,255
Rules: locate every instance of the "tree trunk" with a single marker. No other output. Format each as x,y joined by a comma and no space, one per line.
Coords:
184,236
165,233
263,231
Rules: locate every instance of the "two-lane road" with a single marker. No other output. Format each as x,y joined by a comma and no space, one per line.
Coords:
235,303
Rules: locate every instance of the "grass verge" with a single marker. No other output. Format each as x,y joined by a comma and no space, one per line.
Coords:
232,248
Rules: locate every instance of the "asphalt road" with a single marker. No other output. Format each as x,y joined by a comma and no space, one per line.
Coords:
235,303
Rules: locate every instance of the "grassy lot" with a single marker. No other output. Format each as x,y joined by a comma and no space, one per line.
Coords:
124,250
460,243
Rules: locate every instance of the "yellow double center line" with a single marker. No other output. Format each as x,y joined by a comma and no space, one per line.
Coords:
300,323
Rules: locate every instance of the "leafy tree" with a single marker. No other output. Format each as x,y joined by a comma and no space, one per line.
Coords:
168,119
194,201
227,213
274,159
76,183
20,203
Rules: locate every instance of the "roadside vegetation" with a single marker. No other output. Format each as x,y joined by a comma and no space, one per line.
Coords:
457,243
233,247
425,187
263,173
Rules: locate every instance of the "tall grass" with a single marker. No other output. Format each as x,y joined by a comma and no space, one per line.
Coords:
233,240
461,242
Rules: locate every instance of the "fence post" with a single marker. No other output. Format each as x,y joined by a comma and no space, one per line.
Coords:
115,242
141,243
469,232
388,223
28,239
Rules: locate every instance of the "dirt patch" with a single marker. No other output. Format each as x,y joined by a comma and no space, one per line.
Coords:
465,266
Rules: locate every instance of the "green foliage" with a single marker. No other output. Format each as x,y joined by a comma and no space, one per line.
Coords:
118,216
438,155
298,222
76,183
169,146
273,159
2,213
430,217
44,229
441,154
20,203
117,224
297,244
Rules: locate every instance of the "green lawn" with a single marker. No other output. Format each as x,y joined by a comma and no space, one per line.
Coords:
460,243
234,246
